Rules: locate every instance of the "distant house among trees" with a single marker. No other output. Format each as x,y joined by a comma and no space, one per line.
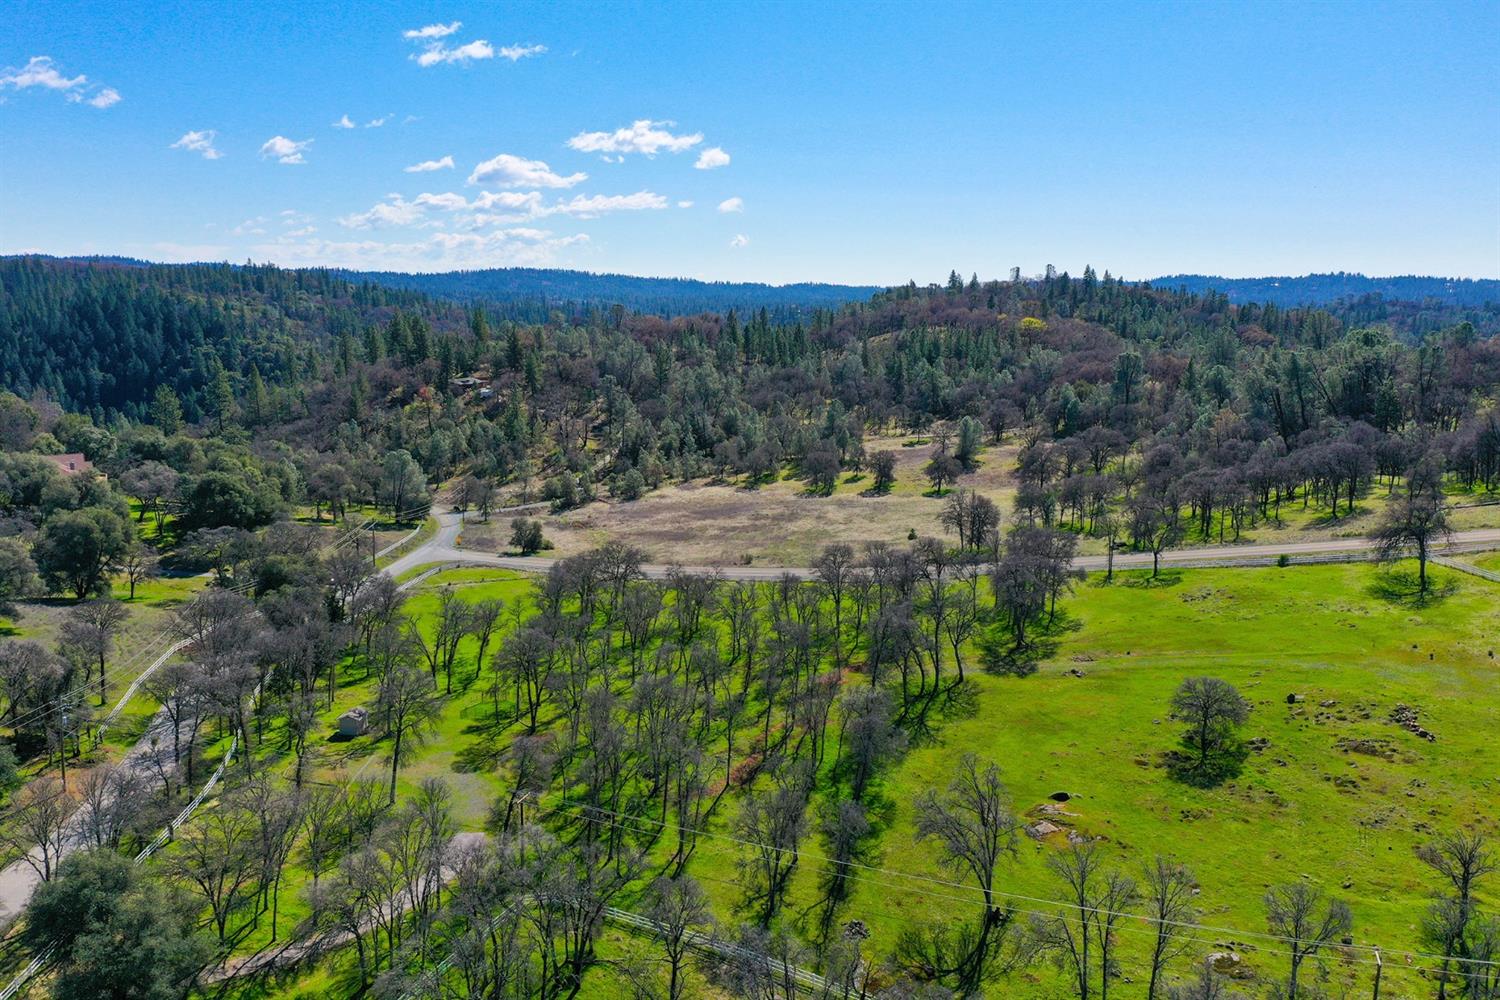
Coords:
464,384
354,722
71,463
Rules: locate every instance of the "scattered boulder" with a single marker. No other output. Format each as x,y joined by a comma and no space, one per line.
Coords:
1368,747
1258,744
1231,964
1406,717
1293,698
1060,796
1042,829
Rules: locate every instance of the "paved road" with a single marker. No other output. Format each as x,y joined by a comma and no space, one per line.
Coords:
21,877
443,547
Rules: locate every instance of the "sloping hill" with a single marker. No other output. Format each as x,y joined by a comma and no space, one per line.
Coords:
660,296
1322,289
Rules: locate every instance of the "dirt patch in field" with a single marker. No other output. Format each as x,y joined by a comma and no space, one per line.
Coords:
775,524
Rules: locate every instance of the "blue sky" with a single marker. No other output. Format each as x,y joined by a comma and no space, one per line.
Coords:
778,142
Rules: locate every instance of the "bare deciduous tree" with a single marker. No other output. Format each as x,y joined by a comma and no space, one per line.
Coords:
1169,904
974,827
1299,914
37,824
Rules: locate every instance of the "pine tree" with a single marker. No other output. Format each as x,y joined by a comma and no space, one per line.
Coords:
479,326
257,404
221,398
166,411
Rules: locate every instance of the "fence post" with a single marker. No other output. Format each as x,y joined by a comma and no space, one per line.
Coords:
1379,968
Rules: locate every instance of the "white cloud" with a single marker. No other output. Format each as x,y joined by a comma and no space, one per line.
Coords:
427,166
491,208
518,52
712,158
684,204
740,240
522,247
735,204
438,53
506,199
199,142
433,30
298,233
377,122
514,171
643,136
187,253
41,71
396,211
284,150
600,204
251,227
292,217
343,122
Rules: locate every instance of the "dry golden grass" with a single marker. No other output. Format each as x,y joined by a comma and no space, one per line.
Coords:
707,523
728,523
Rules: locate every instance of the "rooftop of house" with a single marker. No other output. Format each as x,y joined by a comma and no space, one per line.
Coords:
71,462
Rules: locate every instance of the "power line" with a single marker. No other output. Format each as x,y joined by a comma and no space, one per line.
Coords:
1263,935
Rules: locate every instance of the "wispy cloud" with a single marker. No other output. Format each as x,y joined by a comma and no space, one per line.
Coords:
603,204
644,136
516,53
377,122
433,30
42,71
437,53
284,150
489,208
740,240
711,159
427,166
199,142
187,253
513,247
515,171
735,204
343,122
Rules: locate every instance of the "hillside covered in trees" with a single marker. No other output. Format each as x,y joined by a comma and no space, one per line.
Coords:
601,741
1326,289
1237,406
552,288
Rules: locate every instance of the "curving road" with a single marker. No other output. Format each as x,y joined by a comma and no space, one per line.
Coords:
443,548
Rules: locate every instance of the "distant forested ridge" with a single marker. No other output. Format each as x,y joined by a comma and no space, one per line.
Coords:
99,336
659,296
1323,289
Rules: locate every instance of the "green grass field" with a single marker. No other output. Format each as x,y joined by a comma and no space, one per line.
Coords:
1303,808
1348,639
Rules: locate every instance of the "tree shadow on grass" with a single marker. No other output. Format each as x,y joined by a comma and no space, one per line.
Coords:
483,755
1166,578
1401,588
998,654
1222,766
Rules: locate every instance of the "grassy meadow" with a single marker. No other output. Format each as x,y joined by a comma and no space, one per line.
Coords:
1339,795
